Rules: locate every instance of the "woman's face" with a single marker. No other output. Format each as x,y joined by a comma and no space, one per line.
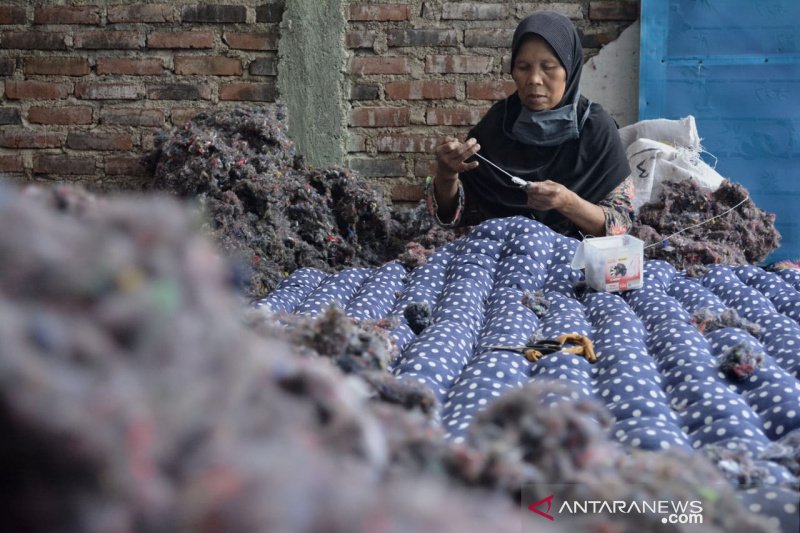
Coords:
541,79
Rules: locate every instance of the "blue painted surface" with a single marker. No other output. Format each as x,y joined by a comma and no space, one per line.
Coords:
735,66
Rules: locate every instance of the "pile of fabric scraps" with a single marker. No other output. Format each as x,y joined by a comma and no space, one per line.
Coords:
745,235
137,394
133,396
267,207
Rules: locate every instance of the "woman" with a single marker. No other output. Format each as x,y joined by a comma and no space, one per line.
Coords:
566,148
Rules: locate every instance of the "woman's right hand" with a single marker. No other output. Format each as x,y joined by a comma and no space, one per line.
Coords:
451,155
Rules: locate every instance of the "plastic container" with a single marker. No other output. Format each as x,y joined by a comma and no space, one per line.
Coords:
612,264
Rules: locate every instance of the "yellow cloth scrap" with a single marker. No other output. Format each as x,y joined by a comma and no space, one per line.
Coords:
583,347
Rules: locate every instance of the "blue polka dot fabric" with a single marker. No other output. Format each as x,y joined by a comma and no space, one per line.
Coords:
656,371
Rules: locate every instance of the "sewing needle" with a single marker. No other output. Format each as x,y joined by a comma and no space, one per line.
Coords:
517,180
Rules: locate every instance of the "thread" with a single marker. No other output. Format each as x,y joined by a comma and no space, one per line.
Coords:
516,179
662,242
665,239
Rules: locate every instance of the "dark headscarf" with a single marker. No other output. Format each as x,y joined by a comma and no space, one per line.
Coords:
561,35
591,165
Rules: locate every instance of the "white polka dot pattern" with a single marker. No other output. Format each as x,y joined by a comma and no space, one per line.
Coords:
656,373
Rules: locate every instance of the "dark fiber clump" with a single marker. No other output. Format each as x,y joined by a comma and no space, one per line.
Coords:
745,236
267,207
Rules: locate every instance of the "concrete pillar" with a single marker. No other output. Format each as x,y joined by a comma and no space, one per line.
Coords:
312,63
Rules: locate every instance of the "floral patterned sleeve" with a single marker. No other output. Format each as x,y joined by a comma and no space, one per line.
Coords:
433,208
467,212
618,208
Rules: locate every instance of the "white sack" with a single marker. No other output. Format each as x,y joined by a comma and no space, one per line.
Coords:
681,132
653,163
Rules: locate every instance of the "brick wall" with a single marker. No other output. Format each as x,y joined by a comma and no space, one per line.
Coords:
423,69
85,86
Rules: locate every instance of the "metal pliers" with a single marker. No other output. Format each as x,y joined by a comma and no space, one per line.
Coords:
533,350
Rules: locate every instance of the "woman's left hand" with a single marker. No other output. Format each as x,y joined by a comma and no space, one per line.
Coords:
547,195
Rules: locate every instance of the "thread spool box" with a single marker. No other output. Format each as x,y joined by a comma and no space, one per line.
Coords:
612,264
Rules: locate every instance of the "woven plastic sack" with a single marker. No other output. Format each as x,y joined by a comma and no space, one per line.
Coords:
681,132
653,163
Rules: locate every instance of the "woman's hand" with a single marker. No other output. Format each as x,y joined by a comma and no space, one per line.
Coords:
451,155
547,195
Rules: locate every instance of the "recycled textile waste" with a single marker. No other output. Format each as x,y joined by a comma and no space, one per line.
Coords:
656,372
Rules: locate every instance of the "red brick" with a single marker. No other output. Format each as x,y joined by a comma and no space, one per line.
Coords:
427,37
408,193
425,167
613,10
384,12
473,11
11,163
458,64
379,117
60,164
125,166
212,66
419,90
61,66
132,117
213,13
60,115
32,40
179,91
454,116
493,38
142,13
490,90
99,140
132,67
30,139
66,15
406,143
106,91
380,65
251,41
360,39
108,40
380,168
35,90
12,15
180,39
250,92
181,115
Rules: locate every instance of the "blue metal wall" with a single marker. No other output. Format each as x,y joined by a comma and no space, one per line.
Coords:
735,66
